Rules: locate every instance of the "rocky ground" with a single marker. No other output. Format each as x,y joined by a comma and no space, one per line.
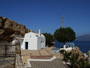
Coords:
9,29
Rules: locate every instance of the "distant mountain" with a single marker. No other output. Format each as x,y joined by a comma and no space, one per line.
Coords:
85,37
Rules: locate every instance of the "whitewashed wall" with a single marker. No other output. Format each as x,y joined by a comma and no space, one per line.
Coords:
34,41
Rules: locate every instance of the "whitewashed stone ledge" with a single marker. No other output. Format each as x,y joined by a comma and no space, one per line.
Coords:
51,59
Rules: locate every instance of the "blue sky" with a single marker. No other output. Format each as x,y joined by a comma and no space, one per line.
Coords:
46,14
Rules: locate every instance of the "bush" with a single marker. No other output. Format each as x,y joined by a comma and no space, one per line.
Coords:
76,59
49,39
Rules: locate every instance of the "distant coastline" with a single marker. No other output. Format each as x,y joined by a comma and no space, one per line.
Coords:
85,37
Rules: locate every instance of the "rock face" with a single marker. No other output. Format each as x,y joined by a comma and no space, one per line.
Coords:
9,29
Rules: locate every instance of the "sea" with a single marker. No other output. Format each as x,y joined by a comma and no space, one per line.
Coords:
83,45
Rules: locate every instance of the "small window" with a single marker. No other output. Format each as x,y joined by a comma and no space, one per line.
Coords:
42,41
36,35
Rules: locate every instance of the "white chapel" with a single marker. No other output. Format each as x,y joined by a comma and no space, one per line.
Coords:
33,41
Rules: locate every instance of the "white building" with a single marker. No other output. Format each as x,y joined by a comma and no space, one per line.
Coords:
33,41
68,47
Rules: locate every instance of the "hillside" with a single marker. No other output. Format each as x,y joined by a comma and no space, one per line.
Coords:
9,29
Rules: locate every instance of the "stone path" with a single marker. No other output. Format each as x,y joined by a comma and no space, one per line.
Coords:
57,63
